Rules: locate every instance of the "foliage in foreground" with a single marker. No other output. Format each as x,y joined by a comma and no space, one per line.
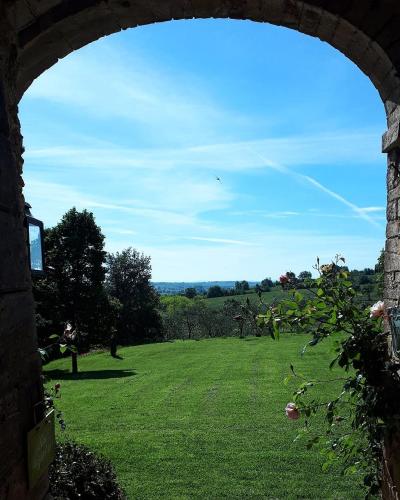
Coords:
366,410
78,473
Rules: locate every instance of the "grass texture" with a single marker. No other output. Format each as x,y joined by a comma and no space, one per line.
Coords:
200,420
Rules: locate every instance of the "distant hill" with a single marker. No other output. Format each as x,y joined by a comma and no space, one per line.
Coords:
173,288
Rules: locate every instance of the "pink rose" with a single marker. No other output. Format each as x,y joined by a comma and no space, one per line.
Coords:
292,412
283,279
377,310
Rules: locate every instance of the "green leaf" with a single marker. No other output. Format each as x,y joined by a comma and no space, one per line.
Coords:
326,466
333,362
54,336
287,379
63,348
298,297
320,292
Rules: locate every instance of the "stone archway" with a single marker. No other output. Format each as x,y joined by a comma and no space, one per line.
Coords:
34,34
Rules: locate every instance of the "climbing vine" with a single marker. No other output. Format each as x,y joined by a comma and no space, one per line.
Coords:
366,411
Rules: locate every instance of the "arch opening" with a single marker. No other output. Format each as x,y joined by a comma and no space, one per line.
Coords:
35,35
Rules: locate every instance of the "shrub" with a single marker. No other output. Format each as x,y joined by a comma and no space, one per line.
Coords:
78,473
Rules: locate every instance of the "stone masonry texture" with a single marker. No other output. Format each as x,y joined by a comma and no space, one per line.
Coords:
34,35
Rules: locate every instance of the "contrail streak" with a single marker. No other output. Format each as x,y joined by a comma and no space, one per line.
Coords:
286,171
359,211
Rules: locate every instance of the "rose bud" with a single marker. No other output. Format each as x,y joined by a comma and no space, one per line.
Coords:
292,412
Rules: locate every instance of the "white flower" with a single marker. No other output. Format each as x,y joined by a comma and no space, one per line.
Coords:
377,310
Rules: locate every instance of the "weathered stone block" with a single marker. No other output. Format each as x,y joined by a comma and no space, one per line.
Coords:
21,15
393,246
391,138
327,26
392,262
273,11
343,35
390,107
357,47
4,125
292,14
310,19
392,210
393,113
393,229
13,251
8,176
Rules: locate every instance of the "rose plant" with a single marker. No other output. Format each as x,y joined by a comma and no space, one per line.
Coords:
366,411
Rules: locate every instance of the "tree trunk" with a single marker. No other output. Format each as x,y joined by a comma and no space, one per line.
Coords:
74,358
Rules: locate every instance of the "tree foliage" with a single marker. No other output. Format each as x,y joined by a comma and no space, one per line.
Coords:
215,291
128,281
242,286
190,293
72,291
266,284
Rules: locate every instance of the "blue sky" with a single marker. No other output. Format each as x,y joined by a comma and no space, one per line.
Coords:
137,127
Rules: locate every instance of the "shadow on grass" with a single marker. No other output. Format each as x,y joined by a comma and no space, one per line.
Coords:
250,339
84,375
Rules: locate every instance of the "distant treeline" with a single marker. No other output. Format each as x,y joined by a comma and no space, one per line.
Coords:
201,287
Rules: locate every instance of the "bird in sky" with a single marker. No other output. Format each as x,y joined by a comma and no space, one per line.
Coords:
218,179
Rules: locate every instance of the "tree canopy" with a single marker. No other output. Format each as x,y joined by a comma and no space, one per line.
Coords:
72,291
128,280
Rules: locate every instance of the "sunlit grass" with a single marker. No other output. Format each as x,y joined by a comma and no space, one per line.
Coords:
200,419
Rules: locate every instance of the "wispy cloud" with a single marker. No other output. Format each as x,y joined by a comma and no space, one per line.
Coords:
117,230
296,151
220,240
62,197
138,90
372,209
263,213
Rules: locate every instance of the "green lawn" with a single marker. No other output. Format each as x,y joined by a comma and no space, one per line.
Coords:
202,420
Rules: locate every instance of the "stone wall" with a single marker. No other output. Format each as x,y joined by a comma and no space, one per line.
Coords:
34,34
20,382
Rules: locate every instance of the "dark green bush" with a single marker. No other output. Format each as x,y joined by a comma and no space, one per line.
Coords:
78,473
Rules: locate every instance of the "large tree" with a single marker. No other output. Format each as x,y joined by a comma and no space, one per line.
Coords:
128,280
73,290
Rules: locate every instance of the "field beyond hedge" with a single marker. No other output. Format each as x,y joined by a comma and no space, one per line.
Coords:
201,420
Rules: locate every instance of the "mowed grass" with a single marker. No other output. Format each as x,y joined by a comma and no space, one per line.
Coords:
200,419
